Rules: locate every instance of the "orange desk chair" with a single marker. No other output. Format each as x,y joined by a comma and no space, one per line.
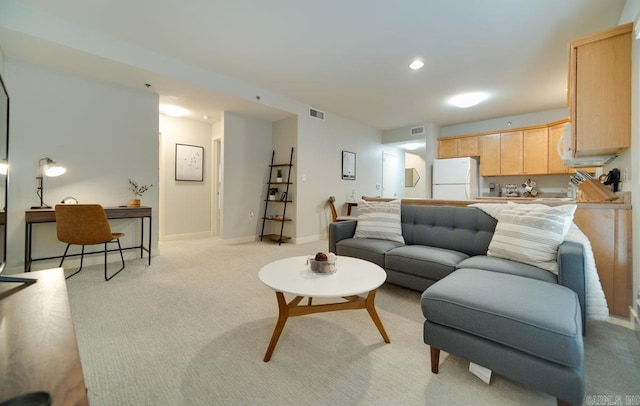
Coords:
85,224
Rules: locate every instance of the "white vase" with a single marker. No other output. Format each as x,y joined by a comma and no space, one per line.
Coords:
278,179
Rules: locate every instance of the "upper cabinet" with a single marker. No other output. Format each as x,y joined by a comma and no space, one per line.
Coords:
511,152
600,92
535,151
457,147
490,155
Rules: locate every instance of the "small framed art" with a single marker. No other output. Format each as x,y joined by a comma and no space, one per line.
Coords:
189,162
348,165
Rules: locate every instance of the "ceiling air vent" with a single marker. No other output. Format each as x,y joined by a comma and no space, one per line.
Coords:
316,114
417,131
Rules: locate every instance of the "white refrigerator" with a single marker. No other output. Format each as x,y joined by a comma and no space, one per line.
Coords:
455,179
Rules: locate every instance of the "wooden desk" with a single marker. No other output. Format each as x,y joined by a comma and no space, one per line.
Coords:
34,216
38,346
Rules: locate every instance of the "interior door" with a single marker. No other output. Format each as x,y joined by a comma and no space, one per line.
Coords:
391,181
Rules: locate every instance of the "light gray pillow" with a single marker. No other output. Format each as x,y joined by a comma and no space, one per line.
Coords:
379,220
532,233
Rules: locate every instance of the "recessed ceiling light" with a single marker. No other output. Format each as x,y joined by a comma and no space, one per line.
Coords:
173,111
416,64
465,100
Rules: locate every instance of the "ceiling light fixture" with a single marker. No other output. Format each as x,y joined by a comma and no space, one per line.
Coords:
412,146
465,100
173,111
416,64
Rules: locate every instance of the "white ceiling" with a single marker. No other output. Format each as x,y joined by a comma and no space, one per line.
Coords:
348,57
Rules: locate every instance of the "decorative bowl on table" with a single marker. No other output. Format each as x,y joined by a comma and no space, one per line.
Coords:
322,263
326,267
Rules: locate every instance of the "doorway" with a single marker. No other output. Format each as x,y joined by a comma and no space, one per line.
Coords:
391,181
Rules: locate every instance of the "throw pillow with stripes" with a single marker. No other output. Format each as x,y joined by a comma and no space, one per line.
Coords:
379,220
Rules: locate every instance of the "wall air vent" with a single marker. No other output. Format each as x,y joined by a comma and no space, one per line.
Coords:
316,114
417,131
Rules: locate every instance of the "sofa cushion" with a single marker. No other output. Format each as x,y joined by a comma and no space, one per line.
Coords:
380,220
531,233
420,260
535,317
494,264
369,249
464,229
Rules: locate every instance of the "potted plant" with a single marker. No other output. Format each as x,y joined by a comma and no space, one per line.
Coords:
272,193
137,190
279,175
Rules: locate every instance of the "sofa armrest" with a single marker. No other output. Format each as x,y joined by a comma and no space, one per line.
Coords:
571,273
340,230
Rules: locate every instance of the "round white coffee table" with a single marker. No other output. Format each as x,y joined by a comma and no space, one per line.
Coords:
352,278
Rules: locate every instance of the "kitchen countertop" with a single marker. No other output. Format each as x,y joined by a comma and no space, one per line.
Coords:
617,204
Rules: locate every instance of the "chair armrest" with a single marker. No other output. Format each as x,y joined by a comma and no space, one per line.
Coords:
571,273
340,230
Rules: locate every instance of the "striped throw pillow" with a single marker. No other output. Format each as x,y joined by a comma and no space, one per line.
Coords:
532,234
379,220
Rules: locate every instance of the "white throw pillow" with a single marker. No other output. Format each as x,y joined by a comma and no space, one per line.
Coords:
379,220
532,233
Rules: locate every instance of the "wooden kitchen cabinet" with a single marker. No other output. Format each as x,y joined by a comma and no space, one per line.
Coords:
609,231
457,147
447,148
468,146
600,92
511,148
490,155
535,152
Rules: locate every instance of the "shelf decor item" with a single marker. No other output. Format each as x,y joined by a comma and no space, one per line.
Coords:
138,191
272,193
279,176
189,162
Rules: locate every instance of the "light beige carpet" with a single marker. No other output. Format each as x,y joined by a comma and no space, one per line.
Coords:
192,329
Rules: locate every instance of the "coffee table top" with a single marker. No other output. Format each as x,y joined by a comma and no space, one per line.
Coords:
353,276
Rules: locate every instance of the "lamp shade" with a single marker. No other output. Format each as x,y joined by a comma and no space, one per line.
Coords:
51,168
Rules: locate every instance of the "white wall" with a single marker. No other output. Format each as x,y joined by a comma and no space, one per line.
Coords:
504,123
246,156
319,166
185,205
103,134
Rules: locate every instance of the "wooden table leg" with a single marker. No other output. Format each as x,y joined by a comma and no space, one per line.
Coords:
283,315
371,308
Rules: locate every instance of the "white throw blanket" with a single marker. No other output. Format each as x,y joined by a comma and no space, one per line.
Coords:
595,302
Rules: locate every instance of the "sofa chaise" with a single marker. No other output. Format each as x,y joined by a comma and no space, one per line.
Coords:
515,318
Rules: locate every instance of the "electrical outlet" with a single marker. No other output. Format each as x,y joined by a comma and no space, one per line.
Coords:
251,215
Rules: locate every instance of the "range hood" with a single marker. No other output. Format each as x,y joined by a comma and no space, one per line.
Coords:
564,150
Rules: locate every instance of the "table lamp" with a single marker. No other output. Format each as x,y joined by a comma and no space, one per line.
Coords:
46,167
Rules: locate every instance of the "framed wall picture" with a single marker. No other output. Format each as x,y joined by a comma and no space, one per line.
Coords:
189,162
348,165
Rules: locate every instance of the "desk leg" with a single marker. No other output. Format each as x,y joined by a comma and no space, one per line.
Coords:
141,236
149,252
27,247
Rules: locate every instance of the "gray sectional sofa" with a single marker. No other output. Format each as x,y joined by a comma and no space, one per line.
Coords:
441,239
516,319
